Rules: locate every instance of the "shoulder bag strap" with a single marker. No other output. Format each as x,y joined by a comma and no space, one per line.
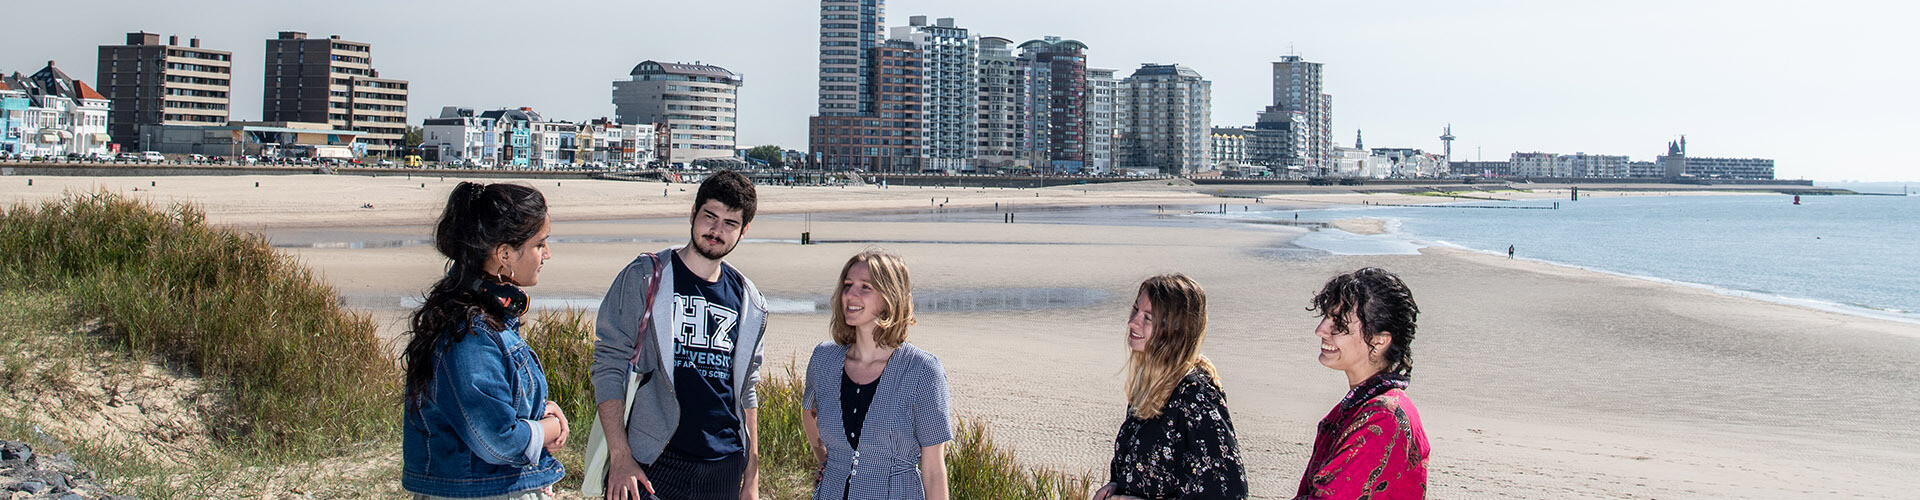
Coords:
646,315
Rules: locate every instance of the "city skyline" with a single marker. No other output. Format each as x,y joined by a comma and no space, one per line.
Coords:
1807,86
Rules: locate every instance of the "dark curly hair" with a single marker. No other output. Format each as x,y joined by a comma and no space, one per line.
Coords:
731,189
1382,303
478,219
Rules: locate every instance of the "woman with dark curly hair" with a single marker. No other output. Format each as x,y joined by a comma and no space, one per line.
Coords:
478,423
1371,445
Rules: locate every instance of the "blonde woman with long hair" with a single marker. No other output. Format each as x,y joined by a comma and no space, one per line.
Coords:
1177,440
876,408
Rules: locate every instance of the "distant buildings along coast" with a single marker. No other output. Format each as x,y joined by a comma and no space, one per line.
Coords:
932,96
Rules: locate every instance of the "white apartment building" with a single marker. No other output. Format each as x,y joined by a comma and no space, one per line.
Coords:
1230,146
1101,120
696,101
1002,130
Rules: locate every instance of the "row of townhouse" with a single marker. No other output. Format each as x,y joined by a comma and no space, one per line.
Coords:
521,137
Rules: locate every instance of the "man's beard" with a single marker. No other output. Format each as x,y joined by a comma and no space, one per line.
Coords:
701,249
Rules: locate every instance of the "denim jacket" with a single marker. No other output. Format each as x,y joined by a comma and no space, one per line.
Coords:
468,436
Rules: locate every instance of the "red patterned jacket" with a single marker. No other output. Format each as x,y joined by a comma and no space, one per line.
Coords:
1371,446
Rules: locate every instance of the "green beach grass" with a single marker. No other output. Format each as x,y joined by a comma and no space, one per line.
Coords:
103,285
304,375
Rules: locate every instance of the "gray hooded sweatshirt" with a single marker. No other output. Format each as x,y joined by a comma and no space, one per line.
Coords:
656,409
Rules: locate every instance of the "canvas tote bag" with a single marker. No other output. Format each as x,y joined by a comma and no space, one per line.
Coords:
599,457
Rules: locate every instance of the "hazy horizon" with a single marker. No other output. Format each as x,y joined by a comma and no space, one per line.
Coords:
1816,87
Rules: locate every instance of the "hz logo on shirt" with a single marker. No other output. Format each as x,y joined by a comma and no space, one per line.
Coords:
704,325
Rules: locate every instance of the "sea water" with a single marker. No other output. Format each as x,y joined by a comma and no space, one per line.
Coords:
1853,254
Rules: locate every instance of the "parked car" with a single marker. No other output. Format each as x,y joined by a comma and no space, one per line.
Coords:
197,158
385,163
248,159
152,156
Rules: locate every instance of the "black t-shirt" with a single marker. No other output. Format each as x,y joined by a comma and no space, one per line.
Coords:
706,324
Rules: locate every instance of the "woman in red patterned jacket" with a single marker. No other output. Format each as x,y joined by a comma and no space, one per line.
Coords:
1371,445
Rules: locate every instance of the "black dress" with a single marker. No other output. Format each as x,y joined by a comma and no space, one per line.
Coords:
1187,452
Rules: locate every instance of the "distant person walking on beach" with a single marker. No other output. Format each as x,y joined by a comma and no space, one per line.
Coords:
1509,251
876,408
1177,440
477,422
692,433
1372,444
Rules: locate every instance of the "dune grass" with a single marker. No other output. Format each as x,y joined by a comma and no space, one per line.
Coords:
305,376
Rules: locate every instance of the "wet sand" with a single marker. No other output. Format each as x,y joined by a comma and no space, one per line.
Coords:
1534,380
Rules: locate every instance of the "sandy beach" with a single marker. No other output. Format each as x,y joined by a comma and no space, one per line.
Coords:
1534,380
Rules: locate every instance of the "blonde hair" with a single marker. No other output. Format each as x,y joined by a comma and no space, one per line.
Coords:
889,277
1173,350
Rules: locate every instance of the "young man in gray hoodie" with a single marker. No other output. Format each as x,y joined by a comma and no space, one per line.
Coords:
692,434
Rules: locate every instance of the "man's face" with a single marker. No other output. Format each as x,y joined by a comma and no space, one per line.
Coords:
716,229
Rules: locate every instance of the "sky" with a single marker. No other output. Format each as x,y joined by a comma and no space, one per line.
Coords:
1829,90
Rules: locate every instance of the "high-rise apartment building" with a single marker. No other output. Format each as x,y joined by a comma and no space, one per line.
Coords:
1004,106
870,93
1297,87
697,102
1100,120
848,29
1060,76
1169,120
332,81
150,83
950,93
888,139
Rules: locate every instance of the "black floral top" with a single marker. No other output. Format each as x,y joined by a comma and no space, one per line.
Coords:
1188,452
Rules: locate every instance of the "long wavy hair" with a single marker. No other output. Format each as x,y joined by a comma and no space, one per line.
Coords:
477,220
1173,350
